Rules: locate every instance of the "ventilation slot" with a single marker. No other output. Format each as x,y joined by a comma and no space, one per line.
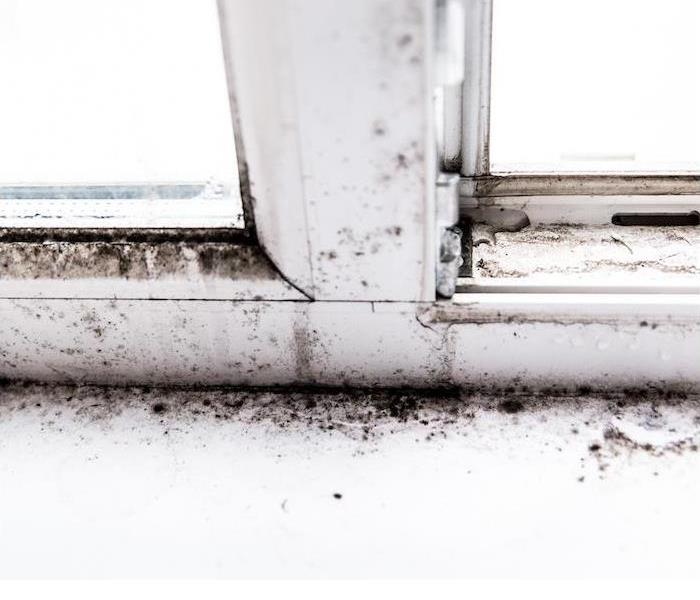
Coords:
656,219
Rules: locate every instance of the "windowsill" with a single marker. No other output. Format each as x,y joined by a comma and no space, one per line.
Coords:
580,258
137,264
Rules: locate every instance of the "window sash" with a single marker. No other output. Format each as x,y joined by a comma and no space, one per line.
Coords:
478,181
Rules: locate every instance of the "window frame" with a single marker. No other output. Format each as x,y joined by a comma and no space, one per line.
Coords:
331,226
339,202
44,260
73,198
254,327
479,186
176,206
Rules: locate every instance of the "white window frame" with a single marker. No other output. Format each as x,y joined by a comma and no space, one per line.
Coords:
333,107
174,203
546,197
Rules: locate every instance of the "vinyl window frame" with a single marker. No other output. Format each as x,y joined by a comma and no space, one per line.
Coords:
547,197
330,222
46,260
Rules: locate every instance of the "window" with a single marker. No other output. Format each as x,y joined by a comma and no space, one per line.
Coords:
113,114
595,86
579,131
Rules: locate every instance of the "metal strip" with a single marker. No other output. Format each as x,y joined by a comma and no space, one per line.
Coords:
490,186
167,191
503,286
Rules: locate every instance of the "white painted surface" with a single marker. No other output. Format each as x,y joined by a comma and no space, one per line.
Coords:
88,490
256,42
335,100
480,340
192,285
476,96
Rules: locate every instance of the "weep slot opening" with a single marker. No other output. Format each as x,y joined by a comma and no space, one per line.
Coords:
689,219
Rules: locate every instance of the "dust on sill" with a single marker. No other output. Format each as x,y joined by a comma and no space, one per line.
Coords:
587,254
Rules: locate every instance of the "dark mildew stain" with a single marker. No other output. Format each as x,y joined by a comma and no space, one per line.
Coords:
600,431
401,161
404,40
132,260
159,408
511,406
379,128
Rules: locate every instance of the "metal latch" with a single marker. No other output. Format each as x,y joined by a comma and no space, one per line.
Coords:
449,235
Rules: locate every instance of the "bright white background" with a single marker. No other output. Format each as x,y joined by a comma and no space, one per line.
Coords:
589,85
113,91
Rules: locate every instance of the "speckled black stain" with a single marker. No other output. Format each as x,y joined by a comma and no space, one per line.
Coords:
131,260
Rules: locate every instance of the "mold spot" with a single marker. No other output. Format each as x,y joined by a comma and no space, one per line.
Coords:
379,129
511,407
404,40
401,161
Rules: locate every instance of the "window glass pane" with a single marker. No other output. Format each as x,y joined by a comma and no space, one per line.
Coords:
115,92
596,85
